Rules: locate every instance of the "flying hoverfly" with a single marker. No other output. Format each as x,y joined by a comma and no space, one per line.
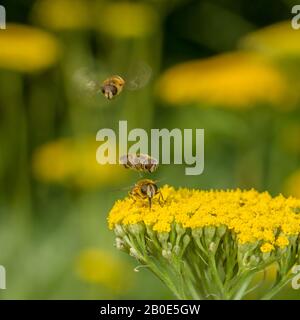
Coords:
111,85
139,162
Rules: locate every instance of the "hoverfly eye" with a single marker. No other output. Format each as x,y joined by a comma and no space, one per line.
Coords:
144,189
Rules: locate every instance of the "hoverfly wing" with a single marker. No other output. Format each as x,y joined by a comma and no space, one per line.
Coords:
138,76
123,189
124,160
87,85
86,81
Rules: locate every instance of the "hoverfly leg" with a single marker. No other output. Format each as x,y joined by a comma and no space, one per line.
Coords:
161,199
150,203
131,196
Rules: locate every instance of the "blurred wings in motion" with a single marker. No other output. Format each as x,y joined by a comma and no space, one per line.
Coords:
138,76
89,81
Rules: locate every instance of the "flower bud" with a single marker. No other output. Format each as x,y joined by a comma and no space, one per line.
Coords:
266,256
134,253
209,233
163,238
176,250
119,231
120,245
212,247
254,260
186,240
197,232
136,229
179,229
221,230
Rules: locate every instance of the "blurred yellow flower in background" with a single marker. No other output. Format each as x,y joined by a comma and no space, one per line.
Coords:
126,19
234,80
279,39
73,162
62,14
53,161
27,49
292,184
100,267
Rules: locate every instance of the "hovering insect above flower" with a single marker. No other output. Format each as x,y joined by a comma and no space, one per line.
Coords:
139,162
113,86
138,77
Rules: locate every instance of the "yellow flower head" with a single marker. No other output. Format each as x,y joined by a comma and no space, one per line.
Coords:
27,49
251,215
282,241
63,14
126,19
212,236
279,39
73,162
235,80
100,267
292,184
267,247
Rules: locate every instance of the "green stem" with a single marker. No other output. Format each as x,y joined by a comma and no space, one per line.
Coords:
241,292
215,275
239,280
164,276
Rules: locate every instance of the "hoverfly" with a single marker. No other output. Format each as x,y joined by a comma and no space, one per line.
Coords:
110,85
146,189
139,162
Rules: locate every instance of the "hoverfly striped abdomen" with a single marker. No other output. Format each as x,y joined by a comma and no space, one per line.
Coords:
139,162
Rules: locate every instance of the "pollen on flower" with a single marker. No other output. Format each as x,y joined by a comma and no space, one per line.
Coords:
267,247
282,241
162,226
251,215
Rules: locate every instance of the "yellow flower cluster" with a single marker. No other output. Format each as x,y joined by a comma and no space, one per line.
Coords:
73,162
251,215
235,80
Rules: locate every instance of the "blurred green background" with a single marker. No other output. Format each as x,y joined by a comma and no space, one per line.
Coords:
230,67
